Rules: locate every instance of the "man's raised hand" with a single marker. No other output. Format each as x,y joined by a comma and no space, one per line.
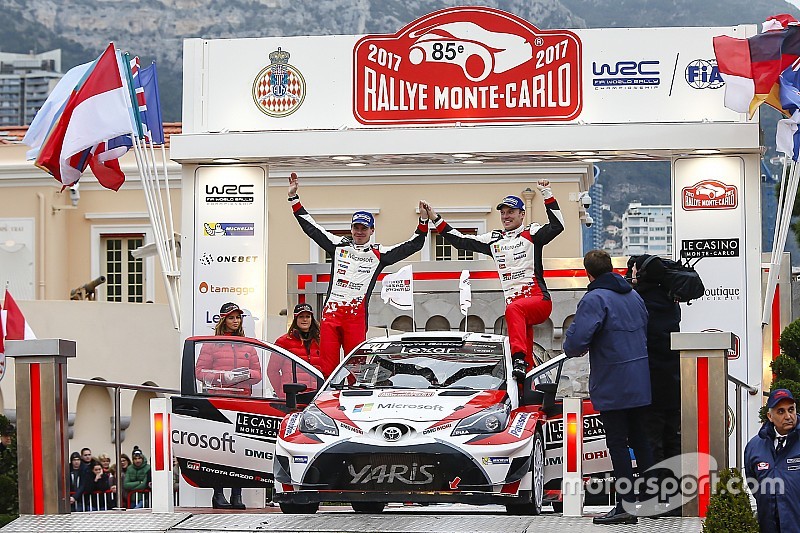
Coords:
293,184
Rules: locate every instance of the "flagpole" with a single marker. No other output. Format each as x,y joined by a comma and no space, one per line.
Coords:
786,215
149,200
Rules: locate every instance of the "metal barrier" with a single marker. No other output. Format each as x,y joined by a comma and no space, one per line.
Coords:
738,426
117,417
139,499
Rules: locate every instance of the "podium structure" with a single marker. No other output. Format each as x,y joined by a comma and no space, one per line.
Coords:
704,404
40,366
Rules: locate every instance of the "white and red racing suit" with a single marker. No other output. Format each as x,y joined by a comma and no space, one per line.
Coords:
354,271
518,256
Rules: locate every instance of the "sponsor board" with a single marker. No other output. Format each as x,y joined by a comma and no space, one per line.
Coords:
208,259
703,74
710,194
592,430
406,393
229,193
292,424
205,288
469,64
257,425
696,248
495,460
626,74
517,425
228,229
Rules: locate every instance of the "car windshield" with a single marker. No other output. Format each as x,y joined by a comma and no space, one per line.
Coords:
423,365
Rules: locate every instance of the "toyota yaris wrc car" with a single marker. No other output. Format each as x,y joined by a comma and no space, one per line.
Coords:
419,417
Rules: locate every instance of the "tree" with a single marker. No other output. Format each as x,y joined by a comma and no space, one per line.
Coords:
9,491
729,507
786,366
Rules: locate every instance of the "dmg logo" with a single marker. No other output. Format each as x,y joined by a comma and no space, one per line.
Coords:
230,193
703,74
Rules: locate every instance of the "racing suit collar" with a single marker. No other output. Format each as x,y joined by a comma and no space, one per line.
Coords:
514,232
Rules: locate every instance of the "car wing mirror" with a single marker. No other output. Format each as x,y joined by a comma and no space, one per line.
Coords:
292,390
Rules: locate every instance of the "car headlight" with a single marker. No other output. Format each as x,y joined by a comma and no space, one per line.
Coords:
493,419
315,421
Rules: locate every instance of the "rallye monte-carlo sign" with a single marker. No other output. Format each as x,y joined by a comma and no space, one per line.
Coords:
468,64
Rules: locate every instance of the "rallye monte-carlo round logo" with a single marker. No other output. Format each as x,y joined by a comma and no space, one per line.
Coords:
279,89
710,194
467,64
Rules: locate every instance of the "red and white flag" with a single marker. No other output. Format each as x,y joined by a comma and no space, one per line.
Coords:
13,327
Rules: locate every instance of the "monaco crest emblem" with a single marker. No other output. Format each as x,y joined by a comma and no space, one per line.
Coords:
279,89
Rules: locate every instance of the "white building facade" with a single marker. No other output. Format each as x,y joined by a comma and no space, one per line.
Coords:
647,229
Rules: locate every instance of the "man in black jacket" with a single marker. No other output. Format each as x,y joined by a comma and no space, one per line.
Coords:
663,423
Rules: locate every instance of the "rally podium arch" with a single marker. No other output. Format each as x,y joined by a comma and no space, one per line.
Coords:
257,109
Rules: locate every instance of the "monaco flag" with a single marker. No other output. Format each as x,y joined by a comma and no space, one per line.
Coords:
464,292
398,289
96,111
14,326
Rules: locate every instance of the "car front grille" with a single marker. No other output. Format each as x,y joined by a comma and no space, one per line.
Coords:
409,470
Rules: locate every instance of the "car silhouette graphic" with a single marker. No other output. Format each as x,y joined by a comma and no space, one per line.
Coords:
479,52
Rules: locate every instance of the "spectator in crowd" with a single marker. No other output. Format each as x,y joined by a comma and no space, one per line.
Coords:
86,459
78,481
302,340
6,435
124,463
611,324
97,494
228,367
137,477
770,459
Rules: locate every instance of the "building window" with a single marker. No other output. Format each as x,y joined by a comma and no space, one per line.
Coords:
124,275
442,251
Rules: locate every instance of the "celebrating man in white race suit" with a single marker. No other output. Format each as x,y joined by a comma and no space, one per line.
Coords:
355,266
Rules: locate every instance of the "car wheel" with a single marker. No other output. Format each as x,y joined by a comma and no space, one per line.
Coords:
299,508
368,507
558,507
537,482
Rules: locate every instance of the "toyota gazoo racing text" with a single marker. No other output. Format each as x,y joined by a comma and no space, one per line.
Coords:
425,417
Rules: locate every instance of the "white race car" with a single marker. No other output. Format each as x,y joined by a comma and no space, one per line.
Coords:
419,417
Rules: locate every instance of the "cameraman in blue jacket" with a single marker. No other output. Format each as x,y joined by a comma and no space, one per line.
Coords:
611,324
772,459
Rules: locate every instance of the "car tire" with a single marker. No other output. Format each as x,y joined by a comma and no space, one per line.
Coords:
368,507
558,507
537,482
299,508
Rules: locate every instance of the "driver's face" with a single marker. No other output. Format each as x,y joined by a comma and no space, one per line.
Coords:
361,233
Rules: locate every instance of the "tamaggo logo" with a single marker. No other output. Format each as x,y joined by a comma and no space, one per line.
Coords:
205,287
703,74
710,194
228,229
230,193
628,74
